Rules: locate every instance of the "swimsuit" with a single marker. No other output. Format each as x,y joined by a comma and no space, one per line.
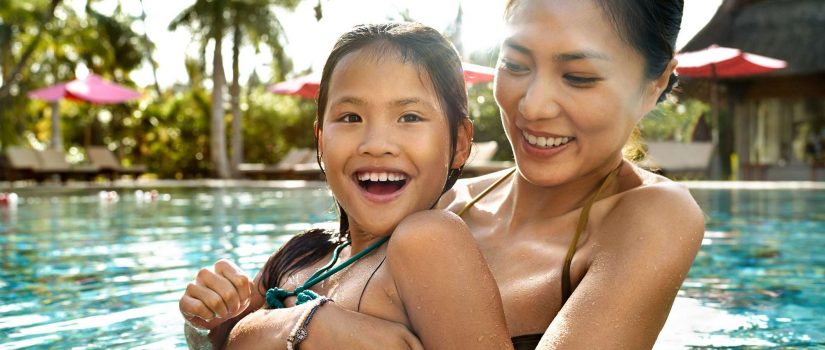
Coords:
530,341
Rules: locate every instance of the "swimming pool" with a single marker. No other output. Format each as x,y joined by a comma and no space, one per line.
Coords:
89,269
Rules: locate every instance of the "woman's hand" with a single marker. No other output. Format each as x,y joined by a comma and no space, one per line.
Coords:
332,327
216,295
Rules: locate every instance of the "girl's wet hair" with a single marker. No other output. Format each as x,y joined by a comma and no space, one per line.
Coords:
414,44
650,26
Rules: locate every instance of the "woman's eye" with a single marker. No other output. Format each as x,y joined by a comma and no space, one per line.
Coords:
410,118
350,118
513,67
580,81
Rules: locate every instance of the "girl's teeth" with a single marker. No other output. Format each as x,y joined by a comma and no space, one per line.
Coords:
384,176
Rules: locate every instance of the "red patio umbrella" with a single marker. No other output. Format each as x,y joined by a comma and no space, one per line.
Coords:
91,89
717,62
307,86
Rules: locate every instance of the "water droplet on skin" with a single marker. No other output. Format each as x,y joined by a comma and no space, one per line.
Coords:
480,339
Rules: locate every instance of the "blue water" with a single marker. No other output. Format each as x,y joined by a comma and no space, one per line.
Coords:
81,269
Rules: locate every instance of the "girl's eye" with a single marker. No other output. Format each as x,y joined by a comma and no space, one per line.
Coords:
580,81
514,68
410,118
350,118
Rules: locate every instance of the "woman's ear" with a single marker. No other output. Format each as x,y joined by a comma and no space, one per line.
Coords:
464,143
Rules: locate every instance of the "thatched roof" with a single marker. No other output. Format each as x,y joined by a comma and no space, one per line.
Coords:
791,30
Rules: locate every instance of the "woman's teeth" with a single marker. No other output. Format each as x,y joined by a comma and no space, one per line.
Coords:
546,142
381,176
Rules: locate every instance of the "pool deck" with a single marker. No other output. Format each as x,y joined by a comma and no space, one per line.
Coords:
211,183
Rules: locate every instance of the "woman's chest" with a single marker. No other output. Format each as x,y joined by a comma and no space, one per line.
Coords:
528,268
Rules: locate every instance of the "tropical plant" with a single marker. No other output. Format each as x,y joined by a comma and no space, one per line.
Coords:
210,20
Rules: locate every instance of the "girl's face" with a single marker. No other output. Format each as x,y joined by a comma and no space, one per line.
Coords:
385,141
570,89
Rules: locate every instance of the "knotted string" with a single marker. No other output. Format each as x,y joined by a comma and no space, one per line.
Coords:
275,296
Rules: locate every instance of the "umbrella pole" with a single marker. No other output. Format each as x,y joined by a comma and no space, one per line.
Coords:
57,137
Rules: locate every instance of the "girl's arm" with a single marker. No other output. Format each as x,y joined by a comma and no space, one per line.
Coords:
625,296
445,285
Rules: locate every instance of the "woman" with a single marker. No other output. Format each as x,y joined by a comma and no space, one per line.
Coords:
587,249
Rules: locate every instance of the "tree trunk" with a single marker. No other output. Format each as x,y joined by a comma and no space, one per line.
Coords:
149,48
235,95
217,140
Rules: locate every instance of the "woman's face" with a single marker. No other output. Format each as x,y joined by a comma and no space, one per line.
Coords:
570,89
385,141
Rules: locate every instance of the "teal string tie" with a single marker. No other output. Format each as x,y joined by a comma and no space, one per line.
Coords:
275,296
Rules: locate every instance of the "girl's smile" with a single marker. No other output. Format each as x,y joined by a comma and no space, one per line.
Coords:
385,143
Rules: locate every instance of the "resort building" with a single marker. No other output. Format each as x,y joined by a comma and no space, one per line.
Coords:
772,126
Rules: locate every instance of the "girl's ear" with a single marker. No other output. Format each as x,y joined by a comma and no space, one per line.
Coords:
319,139
464,142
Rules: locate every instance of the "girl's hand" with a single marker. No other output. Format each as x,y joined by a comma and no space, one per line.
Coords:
216,295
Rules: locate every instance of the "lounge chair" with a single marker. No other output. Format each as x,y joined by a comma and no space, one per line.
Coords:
678,158
480,161
25,163
22,164
286,168
105,160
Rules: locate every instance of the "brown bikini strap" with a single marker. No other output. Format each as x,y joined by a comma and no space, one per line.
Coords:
566,288
484,193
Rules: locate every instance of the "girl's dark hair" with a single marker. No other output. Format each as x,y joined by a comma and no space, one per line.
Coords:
413,43
650,26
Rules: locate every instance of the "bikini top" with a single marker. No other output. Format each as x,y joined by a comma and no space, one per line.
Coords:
530,341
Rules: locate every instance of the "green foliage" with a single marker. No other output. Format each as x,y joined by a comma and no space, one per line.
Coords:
673,121
274,124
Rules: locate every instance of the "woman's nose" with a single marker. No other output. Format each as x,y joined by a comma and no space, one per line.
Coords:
378,140
539,102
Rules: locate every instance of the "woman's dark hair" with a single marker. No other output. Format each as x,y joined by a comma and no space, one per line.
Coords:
650,26
413,43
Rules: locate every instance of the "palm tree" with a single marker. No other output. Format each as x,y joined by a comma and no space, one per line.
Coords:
261,25
207,18
211,19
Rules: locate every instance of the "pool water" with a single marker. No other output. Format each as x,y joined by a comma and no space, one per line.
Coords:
90,269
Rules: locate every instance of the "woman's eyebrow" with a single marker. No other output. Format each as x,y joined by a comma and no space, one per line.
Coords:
518,47
580,55
560,57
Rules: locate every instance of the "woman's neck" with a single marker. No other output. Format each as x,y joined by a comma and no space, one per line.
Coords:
530,202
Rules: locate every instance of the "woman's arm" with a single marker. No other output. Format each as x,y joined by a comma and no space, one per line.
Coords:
625,297
445,285
332,327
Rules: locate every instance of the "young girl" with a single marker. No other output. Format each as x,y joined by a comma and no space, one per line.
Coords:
392,135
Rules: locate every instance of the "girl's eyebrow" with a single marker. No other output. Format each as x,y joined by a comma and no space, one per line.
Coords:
560,57
402,102
350,100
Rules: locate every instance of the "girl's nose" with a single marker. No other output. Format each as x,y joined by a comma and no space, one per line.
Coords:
378,141
539,102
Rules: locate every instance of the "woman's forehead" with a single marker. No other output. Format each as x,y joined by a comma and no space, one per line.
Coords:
558,27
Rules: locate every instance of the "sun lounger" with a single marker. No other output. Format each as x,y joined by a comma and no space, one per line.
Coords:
105,160
678,158
28,164
296,162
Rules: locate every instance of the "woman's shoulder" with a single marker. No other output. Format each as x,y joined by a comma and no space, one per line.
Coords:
657,209
466,189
